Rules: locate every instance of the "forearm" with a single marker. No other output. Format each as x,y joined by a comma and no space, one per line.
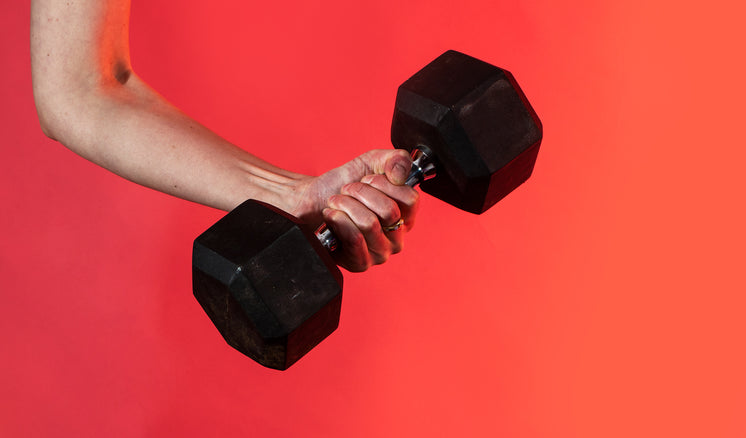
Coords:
132,131
90,100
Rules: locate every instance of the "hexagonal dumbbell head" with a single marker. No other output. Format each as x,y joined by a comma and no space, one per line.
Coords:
479,124
267,284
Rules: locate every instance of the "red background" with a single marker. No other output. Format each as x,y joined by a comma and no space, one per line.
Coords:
604,298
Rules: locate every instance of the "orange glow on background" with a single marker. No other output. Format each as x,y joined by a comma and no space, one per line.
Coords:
603,298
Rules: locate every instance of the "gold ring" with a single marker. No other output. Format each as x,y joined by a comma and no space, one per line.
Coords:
394,227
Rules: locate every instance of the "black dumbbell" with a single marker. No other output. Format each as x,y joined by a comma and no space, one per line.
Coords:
269,284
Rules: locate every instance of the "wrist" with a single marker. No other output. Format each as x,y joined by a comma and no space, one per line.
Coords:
278,187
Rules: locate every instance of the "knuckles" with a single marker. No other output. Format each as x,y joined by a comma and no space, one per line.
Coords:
354,189
396,247
378,180
335,201
391,214
381,258
368,224
356,243
413,198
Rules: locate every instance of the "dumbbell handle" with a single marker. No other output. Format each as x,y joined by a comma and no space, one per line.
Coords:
423,168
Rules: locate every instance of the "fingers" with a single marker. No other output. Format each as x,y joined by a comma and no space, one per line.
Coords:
364,243
382,204
353,254
361,210
407,199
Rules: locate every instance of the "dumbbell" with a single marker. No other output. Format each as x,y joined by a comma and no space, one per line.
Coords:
269,283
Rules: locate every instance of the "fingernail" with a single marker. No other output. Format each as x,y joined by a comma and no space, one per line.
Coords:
399,173
367,179
346,189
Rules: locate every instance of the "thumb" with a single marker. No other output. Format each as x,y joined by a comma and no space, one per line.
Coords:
395,164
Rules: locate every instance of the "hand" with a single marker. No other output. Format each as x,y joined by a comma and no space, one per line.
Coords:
359,199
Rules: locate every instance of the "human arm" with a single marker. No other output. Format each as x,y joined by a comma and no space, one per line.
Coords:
89,99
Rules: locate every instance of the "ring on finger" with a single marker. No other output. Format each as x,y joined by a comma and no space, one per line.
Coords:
395,226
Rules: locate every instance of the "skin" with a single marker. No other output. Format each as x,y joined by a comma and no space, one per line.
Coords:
89,99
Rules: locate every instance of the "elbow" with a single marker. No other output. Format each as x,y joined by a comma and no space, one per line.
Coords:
42,111
47,127
48,96
48,110
61,110
63,104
